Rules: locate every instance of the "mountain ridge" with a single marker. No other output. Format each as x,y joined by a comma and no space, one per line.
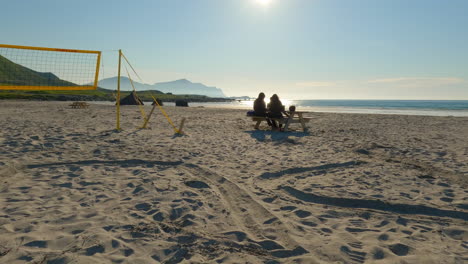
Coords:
180,86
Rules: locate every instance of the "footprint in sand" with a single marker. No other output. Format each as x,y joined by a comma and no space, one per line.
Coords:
139,189
406,195
383,237
143,206
197,184
464,244
37,243
456,234
446,199
269,199
95,249
402,221
288,208
443,184
360,230
400,249
26,258
239,235
309,223
354,255
421,228
356,244
383,223
177,213
357,222
270,221
302,213
449,193
378,253
127,252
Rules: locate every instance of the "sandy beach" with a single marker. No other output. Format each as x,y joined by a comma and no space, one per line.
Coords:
358,188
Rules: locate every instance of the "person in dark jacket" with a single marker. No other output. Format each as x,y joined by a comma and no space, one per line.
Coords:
260,107
275,109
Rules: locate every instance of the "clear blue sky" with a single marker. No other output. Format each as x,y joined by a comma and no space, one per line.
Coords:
300,49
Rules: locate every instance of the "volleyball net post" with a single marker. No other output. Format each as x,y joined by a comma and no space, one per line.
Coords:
117,99
145,117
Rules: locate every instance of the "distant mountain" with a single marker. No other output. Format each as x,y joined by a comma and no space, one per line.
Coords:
182,86
14,74
125,85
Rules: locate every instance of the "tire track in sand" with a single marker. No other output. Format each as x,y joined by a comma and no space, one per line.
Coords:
249,215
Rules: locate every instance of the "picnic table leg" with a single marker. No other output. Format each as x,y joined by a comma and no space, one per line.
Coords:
286,126
301,119
258,124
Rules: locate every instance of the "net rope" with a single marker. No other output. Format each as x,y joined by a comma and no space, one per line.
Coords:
146,118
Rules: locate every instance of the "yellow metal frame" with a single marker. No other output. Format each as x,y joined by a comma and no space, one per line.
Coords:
47,88
68,88
117,126
156,104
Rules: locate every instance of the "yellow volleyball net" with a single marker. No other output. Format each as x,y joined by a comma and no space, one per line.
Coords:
38,68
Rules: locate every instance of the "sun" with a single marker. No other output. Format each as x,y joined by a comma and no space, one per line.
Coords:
263,2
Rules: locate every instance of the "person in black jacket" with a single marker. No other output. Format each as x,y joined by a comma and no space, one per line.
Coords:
260,107
275,109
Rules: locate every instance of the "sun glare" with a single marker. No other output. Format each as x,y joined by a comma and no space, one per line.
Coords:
263,2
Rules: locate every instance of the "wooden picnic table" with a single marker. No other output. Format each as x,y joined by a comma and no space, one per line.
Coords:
293,117
300,119
75,105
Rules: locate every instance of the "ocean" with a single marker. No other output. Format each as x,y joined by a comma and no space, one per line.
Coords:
400,107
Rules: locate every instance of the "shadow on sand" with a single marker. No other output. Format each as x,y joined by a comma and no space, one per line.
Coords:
375,205
270,175
121,163
261,135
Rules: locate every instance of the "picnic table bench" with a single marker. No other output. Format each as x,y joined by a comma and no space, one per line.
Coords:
295,117
75,105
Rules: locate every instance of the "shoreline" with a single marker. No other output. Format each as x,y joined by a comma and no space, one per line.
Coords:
324,109
247,105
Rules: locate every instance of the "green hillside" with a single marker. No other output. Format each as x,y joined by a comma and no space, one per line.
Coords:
14,74
100,95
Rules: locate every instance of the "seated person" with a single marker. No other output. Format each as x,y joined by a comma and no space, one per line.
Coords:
275,109
292,109
260,107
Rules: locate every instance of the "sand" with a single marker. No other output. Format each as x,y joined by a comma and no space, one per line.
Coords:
355,189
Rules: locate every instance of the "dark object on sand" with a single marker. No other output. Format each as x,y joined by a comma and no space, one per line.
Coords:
159,102
131,99
197,184
363,151
181,103
251,113
81,105
292,108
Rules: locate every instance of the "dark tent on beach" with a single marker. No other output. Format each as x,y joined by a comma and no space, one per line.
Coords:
131,99
181,103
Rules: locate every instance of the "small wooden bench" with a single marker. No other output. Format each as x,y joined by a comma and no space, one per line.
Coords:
286,121
80,105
